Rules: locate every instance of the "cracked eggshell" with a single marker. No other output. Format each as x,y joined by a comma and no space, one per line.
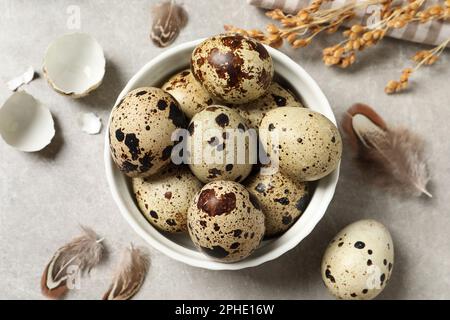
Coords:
276,97
74,64
189,93
214,131
225,221
164,199
359,260
308,145
233,68
89,123
283,200
25,124
141,129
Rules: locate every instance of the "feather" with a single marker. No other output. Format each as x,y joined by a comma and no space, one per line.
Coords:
168,19
130,275
397,151
71,261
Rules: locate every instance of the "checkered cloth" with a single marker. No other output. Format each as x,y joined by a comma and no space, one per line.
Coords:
433,32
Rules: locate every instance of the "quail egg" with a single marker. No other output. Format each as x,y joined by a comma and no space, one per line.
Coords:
359,260
165,197
225,221
221,146
305,144
276,97
233,68
283,200
189,93
140,131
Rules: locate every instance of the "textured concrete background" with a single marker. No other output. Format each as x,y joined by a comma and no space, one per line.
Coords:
44,196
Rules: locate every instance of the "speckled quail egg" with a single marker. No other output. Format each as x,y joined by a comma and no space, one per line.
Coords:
140,131
305,144
282,199
219,149
233,68
189,93
225,221
276,97
165,197
358,262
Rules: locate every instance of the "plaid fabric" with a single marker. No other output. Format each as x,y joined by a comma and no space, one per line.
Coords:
432,32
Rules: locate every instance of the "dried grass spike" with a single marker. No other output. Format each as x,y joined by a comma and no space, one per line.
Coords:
71,260
130,275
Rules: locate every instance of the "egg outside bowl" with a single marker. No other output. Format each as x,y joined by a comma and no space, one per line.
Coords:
179,246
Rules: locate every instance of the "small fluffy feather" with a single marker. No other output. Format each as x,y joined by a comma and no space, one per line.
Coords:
83,252
168,19
130,275
394,154
401,153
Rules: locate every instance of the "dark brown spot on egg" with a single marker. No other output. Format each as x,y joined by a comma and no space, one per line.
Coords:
228,66
146,162
213,141
241,127
271,127
213,206
168,195
254,201
286,220
128,167
283,201
132,142
233,42
162,104
229,167
177,116
279,100
214,173
215,252
258,47
302,203
153,214
237,233
329,276
235,245
171,222
166,153
359,245
222,120
140,93
120,136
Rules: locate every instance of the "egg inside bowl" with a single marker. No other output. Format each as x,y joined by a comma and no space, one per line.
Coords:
179,246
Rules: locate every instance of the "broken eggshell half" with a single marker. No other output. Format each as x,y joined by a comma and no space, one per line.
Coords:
74,64
25,124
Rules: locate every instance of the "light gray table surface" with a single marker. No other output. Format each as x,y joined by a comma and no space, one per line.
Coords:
45,196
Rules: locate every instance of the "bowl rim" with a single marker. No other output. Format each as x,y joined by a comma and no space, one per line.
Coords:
178,252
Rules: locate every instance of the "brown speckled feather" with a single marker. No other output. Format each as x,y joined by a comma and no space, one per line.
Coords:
79,255
130,275
168,19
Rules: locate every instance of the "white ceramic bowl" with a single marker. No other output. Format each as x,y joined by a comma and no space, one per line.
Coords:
179,246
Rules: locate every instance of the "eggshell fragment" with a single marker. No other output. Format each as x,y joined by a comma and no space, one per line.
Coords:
25,124
74,64
89,122
359,260
19,81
